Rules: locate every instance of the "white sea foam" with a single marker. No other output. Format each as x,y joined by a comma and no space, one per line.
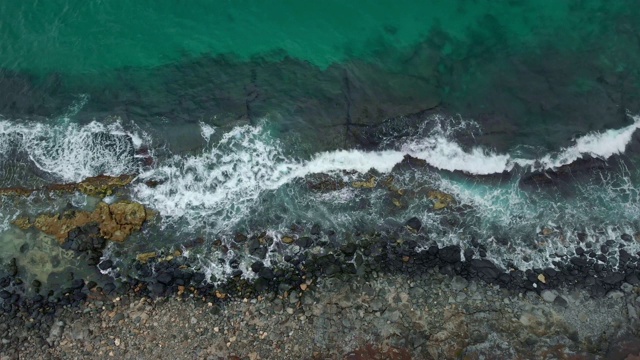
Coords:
440,151
227,180
445,154
602,145
71,151
206,131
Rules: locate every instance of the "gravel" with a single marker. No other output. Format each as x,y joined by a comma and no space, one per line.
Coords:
426,316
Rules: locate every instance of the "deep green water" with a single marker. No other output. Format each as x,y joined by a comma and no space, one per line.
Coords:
238,101
80,37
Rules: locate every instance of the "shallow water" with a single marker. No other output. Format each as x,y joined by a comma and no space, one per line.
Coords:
234,107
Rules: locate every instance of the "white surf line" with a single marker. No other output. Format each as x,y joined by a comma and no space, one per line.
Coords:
71,151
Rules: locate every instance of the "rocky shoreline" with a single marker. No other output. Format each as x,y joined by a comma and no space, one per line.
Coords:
430,304
433,302
379,316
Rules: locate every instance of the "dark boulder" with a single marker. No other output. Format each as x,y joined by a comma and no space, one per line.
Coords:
613,278
164,278
560,301
563,174
625,257
414,224
485,269
468,254
108,288
257,249
632,279
77,284
157,289
105,265
349,249
257,266
450,254
266,273
580,262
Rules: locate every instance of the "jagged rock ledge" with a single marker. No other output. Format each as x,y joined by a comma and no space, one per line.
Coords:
97,186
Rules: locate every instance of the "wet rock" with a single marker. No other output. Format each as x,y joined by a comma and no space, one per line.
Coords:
562,174
626,237
579,261
98,186
77,284
410,162
324,183
257,266
349,249
257,249
440,199
550,272
369,184
304,242
164,278
105,265
116,221
485,269
288,240
450,254
468,254
236,273
414,224
332,269
624,256
143,258
157,289
12,267
315,230
16,191
22,222
108,288
614,278
266,273
632,279
560,301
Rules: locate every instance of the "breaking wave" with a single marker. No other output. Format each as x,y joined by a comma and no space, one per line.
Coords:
69,151
228,179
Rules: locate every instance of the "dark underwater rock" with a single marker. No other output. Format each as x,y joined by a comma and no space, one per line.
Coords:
414,224
450,254
563,174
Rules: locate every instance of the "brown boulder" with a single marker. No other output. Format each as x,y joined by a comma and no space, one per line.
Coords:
116,221
98,186
369,184
440,199
22,222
